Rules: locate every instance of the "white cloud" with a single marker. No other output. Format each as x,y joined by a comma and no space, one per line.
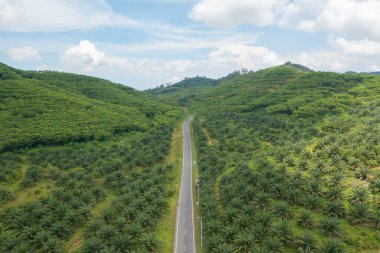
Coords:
301,15
329,60
42,67
24,54
243,56
363,47
185,43
175,79
58,15
144,73
231,13
83,56
355,18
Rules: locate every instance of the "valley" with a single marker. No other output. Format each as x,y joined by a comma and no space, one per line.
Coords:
287,160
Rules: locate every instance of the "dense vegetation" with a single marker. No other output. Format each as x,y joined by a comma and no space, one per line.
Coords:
81,164
183,92
45,108
289,162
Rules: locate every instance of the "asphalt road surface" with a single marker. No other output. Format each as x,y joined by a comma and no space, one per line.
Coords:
184,236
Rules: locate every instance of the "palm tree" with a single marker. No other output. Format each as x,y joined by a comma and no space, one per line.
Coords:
52,245
303,164
261,249
330,226
284,231
92,228
92,245
305,219
360,196
335,193
123,243
230,215
359,213
213,242
333,246
149,243
106,233
224,248
244,242
335,209
315,186
259,232
306,243
374,185
5,195
265,219
243,221
230,233
312,201
294,195
262,200
362,173
282,210
273,244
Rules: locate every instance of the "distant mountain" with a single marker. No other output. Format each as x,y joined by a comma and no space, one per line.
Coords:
183,92
370,73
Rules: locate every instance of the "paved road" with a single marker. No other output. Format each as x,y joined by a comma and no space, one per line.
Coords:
184,236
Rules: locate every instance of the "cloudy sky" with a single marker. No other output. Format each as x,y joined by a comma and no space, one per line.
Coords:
144,43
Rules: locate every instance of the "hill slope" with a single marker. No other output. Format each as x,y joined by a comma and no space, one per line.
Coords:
284,155
55,108
83,164
183,92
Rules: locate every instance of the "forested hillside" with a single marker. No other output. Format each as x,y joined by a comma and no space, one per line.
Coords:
289,161
81,164
183,92
39,108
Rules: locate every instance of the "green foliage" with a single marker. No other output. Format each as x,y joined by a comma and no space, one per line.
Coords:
293,152
332,246
5,195
50,108
305,219
81,164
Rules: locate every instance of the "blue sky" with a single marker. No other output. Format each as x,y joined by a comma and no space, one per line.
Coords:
144,43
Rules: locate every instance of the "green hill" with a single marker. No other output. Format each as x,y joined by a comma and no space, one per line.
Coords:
289,161
45,108
83,164
183,92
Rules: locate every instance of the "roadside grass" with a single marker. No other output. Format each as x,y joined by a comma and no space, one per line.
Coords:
166,226
195,192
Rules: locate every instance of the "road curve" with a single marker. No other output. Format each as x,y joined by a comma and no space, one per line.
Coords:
184,235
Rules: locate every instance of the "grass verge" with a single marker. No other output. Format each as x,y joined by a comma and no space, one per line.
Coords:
166,226
195,193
